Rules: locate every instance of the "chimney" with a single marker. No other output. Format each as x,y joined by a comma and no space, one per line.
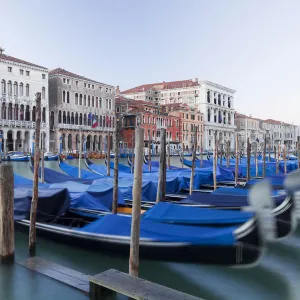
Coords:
117,90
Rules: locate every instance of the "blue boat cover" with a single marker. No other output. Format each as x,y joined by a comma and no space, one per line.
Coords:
52,203
178,214
237,198
116,225
22,181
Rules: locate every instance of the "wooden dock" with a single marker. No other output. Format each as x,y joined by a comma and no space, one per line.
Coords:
110,281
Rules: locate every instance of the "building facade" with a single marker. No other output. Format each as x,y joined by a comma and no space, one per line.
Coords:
75,103
20,81
216,102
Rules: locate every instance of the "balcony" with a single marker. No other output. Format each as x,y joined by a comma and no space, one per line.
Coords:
84,127
20,124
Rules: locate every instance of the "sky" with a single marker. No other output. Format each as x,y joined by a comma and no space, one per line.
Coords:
251,46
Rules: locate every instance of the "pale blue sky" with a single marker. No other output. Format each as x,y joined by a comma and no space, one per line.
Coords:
251,46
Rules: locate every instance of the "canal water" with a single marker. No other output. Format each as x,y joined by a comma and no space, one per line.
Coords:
276,276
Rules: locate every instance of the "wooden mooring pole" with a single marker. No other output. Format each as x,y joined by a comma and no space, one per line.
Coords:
42,159
215,162
108,154
193,162
201,151
248,158
169,154
227,154
236,158
277,159
136,209
34,202
149,151
264,157
256,161
298,152
7,235
116,167
80,154
161,187
284,159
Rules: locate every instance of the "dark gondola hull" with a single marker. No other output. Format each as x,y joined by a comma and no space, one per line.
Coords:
247,251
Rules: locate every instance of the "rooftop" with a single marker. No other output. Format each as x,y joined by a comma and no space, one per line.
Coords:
20,61
162,86
63,72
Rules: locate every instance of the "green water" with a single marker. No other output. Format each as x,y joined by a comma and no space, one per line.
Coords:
276,276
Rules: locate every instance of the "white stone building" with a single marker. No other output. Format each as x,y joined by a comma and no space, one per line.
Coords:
216,102
72,98
213,100
20,81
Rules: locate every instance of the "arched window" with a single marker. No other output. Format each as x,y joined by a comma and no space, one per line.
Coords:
64,96
59,116
93,101
68,97
43,93
76,99
15,88
27,90
97,103
3,86
100,102
80,99
64,118
44,115
89,101
21,90
110,104
219,99
208,96
9,87
68,118
208,115
229,102
106,104
84,100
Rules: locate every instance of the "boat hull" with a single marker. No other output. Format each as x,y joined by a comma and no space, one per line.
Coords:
246,251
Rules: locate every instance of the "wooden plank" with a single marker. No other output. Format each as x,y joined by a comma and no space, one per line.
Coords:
133,287
63,274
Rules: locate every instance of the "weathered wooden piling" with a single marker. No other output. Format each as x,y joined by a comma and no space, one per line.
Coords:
149,151
34,202
277,160
80,154
108,154
269,157
169,155
42,159
298,152
7,236
248,158
136,208
193,162
236,158
227,154
201,150
264,157
256,161
132,156
181,155
284,159
116,167
215,162
161,188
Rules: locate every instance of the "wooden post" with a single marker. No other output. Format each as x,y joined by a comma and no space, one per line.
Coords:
80,154
269,158
149,150
132,155
298,151
169,154
215,162
277,160
42,160
264,157
161,187
181,154
221,154
248,158
201,150
256,162
116,167
108,154
136,208
7,235
284,159
193,162
34,202
236,158
227,154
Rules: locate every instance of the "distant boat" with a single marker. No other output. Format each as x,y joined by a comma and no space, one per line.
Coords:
16,156
50,156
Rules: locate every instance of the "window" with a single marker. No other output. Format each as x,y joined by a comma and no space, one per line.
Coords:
27,73
76,83
3,86
27,90
9,87
15,88
117,109
89,101
89,86
110,91
85,84
43,93
68,81
80,99
106,104
106,90
21,72
100,102
100,88
93,101
9,69
43,76
93,87
97,102
21,89
64,96
76,99
84,100
110,104
64,80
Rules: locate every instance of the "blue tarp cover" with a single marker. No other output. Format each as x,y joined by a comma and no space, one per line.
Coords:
121,226
179,214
